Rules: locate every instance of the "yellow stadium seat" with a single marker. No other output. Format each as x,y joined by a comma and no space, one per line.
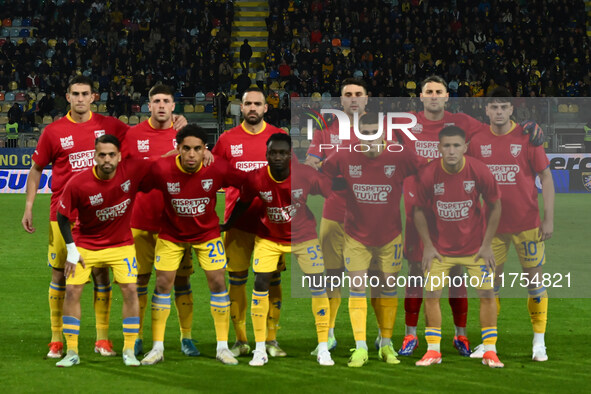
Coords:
102,108
562,108
6,107
3,119
133,120
316,96
124,119
573,108
13,85
143,118
305,144
295,144
189,108
93,107
199,108
47,119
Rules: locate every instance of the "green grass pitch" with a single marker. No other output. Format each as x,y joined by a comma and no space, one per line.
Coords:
24,334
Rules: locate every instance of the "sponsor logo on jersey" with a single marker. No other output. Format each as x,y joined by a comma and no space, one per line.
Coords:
281,214
355,171
454,210
67,142
95,200
190,206
504,174
236,150
469,186
297,193
248,166
335,140
206,184
515,150
427,149
372,194
173,188
111,213
389,170
418,129
486,150
438,189
143,146
125,186
586,180
266,196
81,160
98,133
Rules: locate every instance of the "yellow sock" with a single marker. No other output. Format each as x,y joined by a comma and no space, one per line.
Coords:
102,309
183,300
489,335
259,309
142,296
237,293
537,305
335,303
131,328
220,311
387,306
160,313
275,299
358,315
374,305
433,338
71,332
56,308
498,299
321,311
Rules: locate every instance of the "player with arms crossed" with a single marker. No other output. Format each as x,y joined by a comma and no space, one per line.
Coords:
515,164
68,144
102,196
374,180
189,190
449,192
244,147
153,138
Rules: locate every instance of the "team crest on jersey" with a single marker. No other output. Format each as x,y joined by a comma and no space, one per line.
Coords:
125,186
449,124
469,186
143,146
174,144
67,142
389,170
515,150
297,193
438,189
236,150
486,150
207,184
355,171
266,196
98,133
587,180
417,129
173,188
95,200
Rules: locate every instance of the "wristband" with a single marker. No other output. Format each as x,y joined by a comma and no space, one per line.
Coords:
73,254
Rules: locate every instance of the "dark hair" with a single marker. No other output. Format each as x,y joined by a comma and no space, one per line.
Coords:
80,79
161,89
452,131
253,89
354,81
433,78
108,139
370,118
499,95
191,130
279,137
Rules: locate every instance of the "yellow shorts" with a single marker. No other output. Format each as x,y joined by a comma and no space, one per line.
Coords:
145,245
479,276
239,247
56,252
268,254
388,257
121,260
530,250
210,254
331,235
309,256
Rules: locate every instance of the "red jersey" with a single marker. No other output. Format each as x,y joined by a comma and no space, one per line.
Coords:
245,151
334,205
454,202
374,188
144,141
69,146
190,198
306,181
104,206
514,163
277,209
